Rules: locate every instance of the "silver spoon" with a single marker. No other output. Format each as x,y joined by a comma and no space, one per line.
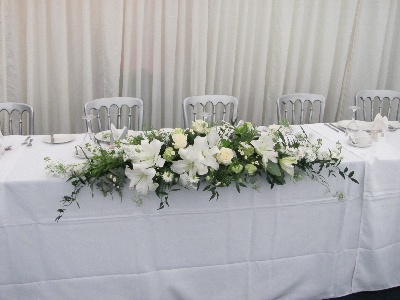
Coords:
30,142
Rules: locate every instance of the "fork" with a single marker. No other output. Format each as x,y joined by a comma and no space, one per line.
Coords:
30,142
26,140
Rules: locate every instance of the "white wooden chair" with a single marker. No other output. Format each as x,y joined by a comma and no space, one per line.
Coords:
120,111
17,112
301,108
371,102
210,108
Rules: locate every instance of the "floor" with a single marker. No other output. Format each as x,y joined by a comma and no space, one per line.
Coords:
389,294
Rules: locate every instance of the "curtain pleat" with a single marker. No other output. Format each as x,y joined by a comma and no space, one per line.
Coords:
57,55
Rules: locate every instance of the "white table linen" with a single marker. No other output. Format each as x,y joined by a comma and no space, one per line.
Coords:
377,265
293,242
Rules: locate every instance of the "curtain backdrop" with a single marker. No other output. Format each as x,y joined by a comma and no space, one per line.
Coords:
57,55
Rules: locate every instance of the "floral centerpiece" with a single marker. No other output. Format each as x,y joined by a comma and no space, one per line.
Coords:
161,161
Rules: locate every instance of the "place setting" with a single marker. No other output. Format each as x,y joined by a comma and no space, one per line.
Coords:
7,146
362,134
104,139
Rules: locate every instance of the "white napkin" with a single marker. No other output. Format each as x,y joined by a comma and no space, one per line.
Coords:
380,123
117,133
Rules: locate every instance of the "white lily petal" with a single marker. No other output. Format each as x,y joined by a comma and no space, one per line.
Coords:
213,137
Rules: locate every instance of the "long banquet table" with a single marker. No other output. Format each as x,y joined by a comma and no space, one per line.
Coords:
296,241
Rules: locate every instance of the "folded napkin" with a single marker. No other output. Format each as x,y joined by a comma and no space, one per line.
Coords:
117,134
380,123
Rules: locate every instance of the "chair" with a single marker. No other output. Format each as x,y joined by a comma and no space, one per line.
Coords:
120,111
217,107
301,106
15,111
371,102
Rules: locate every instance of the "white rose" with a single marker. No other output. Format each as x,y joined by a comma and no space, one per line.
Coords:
225,156
180,140
200,126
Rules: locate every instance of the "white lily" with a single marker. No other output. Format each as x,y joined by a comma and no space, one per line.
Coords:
190,163
141,178
150,154
213,137
287,164
265,147
201,144
196,158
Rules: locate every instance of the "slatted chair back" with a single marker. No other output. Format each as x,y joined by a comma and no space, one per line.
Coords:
119,111
372,102
301,108
210,108
18,116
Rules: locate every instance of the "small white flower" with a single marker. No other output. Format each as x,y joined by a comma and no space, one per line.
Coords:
131,152
194,179
187,180
168,176
310,155
323,155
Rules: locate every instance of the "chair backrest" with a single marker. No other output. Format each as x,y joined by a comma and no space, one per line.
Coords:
301,108
371,102
210,108
16,113
120,111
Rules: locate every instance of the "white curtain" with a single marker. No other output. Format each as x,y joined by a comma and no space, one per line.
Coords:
57,55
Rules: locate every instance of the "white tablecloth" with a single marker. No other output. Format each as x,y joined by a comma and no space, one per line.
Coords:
291,242
378,263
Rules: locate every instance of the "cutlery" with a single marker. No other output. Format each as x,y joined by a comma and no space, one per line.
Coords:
331,127
337,127
26,140
30,142
8,148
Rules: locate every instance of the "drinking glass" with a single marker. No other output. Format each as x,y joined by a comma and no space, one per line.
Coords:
352,127
88,119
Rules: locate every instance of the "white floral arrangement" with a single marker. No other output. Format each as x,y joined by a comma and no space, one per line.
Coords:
159,161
